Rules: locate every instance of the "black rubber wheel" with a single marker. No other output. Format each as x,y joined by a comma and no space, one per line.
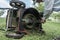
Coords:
33,14
14,35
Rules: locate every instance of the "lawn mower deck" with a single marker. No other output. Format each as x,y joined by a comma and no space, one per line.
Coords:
20,19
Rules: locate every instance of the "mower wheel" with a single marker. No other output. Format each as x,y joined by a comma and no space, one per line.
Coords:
14,35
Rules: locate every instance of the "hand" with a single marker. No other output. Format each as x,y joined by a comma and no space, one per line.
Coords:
43,20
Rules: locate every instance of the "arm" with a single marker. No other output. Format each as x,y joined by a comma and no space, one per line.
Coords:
48,8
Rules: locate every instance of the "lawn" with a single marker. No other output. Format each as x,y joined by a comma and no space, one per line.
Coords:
52,30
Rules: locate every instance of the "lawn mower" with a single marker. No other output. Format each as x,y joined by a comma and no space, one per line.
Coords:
20,19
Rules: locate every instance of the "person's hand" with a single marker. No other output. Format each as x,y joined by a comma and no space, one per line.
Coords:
43,20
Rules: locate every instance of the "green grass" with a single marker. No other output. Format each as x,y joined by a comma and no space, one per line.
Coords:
2,23
52,30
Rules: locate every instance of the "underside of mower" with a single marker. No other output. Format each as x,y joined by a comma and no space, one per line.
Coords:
19,20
